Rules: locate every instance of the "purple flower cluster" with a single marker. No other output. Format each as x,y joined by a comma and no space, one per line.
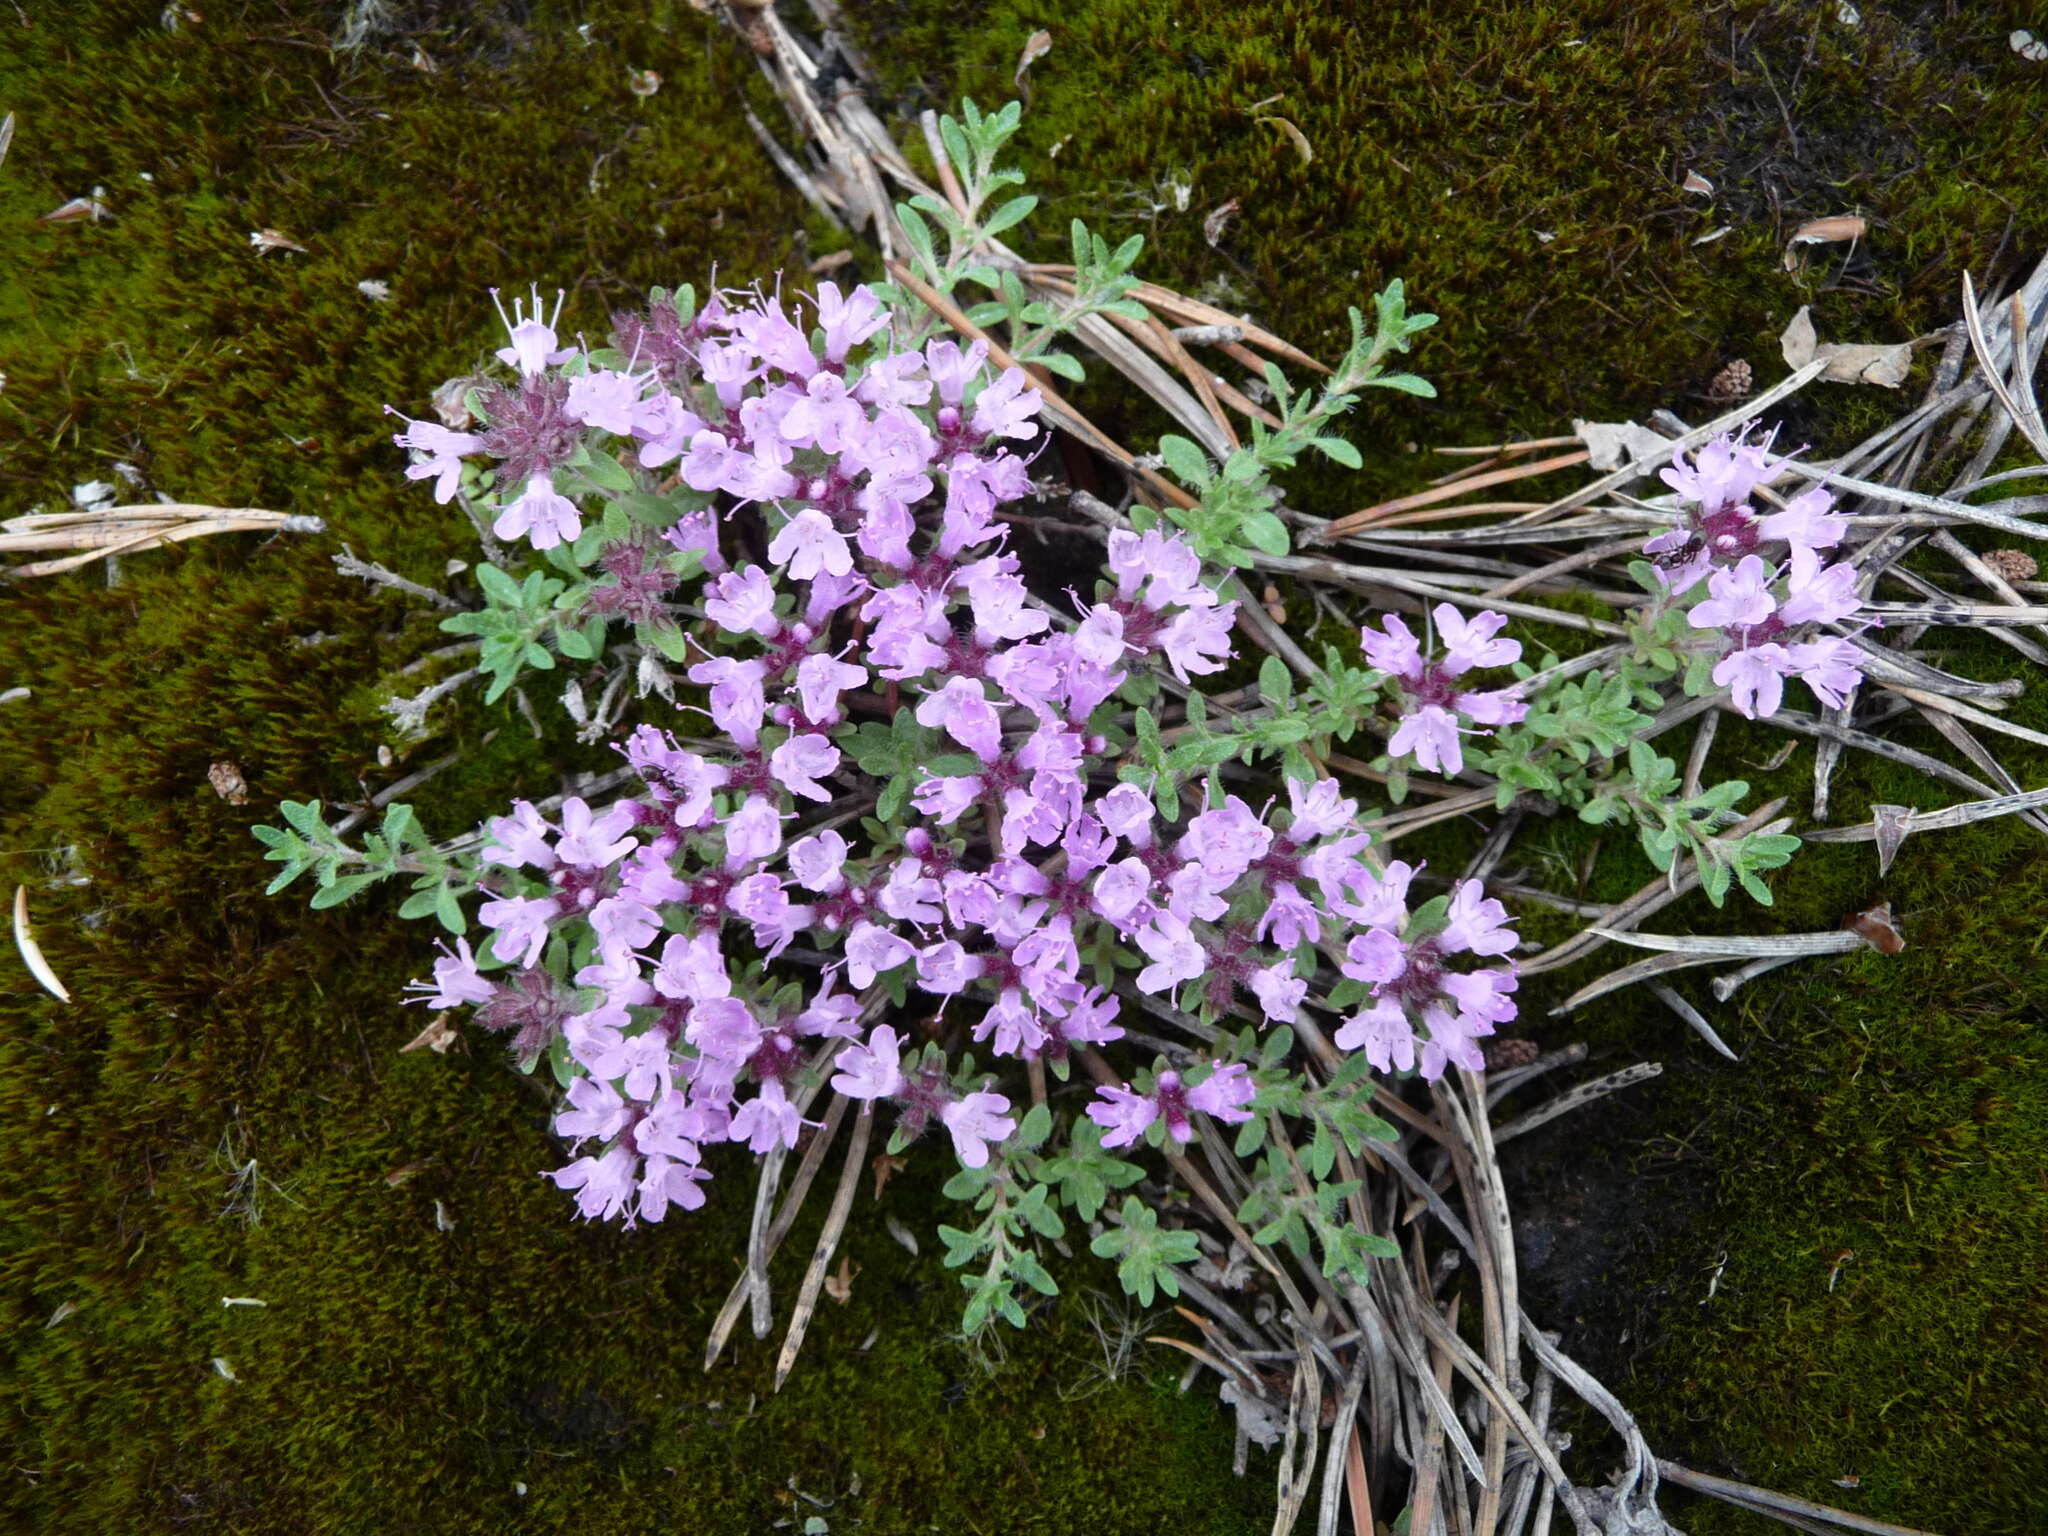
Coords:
1435,710
1758,599
1401,958
674,917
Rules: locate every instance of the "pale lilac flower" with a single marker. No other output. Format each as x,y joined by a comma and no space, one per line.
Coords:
909,894
1100,639
950,368
1383,1032
692,967
744,603
1127,812
592,842
456,980
1124,1115
606,399
895,380
801,761
766,1121
849,321
533,340
871,950
1318,809
665,427
1375,956
945,968
1738,598
1807,522
871,1071
830,1013
752,833
1429,734
808,544
1197,641
824,416
1755,678
1279,992
962,710
1483,997
666,1182
1477,923
723,1027
739,699
1819,594
1451,1039
1290,917
1830,667
522,926
622,925
820,679
1176,954
1395,652
946,800
1224,1094
1496,706
443,449
1470,643
540,515
762,901
1000,603
816,861
1226,840
602,1185
974,1122
1013,1024
521,838
1723,473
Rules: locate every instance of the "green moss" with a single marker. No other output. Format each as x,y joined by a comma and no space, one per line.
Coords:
1450,140
401,1375
1445,139
407,1375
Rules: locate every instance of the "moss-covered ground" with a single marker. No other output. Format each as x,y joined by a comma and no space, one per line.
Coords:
223,1113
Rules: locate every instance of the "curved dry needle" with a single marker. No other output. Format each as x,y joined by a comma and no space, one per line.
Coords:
31,955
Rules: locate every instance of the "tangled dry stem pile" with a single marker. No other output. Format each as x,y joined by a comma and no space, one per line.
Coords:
1376,1397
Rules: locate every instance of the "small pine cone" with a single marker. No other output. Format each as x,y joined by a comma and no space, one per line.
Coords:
1501,1055
1734,382
2013,564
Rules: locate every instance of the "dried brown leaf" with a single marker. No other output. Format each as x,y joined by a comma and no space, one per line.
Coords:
228,783
1219,216
78,211
268,240
1875,927
1847,363
1293,135
886,1167
31,952
1036,47
1695,182
436,1037
1614,443
831,261
1841,226
840,1286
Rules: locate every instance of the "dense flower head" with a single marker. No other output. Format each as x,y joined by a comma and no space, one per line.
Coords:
1768,588
1436,710
910,792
